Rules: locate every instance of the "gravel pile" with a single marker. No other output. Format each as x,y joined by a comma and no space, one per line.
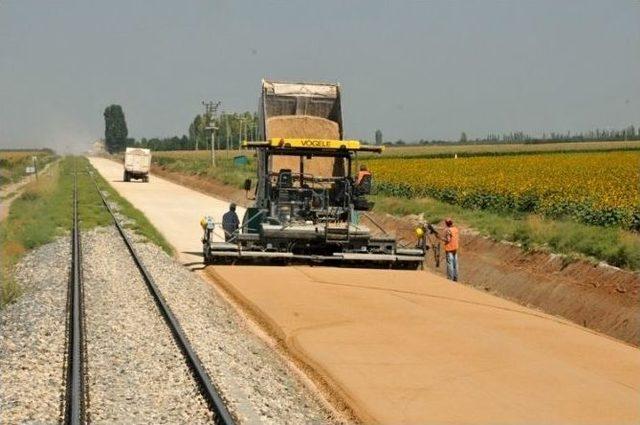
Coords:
32,338
136,373
302,127
258,387
305,127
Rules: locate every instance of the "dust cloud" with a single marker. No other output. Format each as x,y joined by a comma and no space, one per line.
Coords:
64,135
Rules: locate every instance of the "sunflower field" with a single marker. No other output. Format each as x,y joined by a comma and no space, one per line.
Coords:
601,188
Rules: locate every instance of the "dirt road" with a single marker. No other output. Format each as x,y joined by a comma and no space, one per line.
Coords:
410,347
9,192
174,210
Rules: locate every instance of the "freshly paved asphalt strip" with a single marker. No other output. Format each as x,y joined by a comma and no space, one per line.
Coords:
410,347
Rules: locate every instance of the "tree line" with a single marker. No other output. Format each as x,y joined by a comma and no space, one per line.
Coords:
624,134
230,130
627,133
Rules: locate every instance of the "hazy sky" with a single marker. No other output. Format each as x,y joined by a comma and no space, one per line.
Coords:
421,69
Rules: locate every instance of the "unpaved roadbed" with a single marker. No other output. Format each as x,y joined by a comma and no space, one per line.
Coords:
171,208
411,347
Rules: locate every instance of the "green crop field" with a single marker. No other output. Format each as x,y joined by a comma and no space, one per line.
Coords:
13,163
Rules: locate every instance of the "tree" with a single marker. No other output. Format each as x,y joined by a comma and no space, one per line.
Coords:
378,137
115,129
234,127
231,128
630,133
197,132
463,137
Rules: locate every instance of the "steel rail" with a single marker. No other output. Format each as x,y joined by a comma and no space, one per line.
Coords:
74,398
207,388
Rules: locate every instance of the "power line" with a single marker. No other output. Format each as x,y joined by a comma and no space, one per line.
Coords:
211,112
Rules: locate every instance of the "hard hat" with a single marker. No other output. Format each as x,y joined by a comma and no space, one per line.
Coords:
419,231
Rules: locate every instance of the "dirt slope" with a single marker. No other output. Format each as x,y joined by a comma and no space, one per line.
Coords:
596,296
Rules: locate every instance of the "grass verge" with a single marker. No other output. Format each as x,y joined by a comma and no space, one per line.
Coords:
617,247
35,217
43,211
224,171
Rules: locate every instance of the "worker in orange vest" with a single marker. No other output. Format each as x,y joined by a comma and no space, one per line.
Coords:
363,172
451,242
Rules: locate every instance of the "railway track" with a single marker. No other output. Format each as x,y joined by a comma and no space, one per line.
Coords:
76,394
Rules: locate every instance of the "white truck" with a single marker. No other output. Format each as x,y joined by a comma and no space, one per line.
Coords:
137,163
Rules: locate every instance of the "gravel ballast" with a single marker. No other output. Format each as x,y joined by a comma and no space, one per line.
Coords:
136,372
258,386
32,338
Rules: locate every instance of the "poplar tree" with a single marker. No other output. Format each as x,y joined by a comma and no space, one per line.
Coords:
115,129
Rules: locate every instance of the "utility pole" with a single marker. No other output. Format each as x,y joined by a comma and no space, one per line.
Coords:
244,130
227,130
210,111
241,132
35,165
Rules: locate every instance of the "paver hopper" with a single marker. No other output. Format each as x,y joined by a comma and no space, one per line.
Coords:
307,199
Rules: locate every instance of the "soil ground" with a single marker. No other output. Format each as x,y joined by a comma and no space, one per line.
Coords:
597,296
411,347
406,347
